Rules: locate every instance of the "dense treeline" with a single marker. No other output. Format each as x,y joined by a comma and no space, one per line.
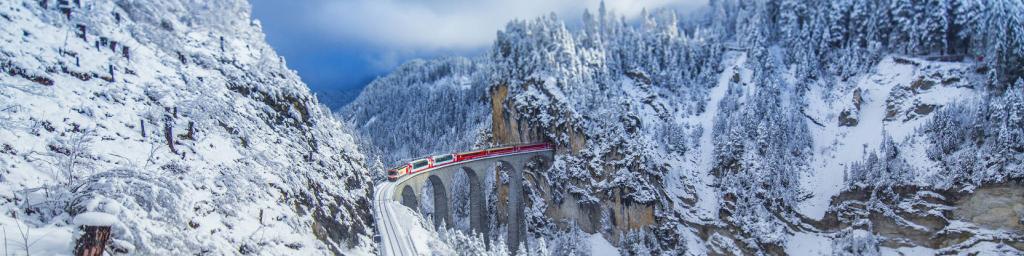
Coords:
847,36
423,107
979,142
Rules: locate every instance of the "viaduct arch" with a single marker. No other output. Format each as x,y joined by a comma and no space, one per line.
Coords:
410,188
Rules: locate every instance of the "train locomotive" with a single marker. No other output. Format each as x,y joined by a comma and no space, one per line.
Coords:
431,162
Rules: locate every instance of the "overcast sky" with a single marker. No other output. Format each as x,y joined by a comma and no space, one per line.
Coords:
345,43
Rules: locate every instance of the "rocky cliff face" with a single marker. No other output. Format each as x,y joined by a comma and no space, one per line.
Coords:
176,124
986,220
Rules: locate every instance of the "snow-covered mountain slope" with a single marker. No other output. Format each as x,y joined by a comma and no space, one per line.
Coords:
174,122
893,99
772,127
877,166
423,107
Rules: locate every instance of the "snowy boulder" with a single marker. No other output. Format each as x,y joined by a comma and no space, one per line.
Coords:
921,85
903,104
920,96
894,105
858,98
851,115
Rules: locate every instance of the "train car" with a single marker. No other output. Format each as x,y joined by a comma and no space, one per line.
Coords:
419,165
442,160
529,147
501,150
396,172
470,155
431,162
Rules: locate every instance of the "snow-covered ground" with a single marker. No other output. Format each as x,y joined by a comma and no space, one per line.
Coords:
906,251
708,203
423,237
601,247
836,146
802,243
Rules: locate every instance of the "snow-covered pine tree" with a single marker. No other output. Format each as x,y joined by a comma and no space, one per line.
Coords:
967,21
792,19
1012,134
1003,32
905,28
855,242
934,27
542,244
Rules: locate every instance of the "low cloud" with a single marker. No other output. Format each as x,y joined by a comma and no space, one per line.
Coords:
417,25
340,43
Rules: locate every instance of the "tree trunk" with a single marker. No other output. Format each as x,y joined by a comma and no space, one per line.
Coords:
191,131
169,135
92,242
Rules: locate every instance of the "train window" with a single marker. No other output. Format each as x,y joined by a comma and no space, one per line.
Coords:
442,159
419,164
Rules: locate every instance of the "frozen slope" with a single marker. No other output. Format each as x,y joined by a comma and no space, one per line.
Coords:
176,123
836,146
708,203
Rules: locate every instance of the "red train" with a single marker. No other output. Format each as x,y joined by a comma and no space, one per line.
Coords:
432,162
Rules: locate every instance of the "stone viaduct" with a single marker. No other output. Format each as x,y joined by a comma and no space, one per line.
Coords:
408,190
